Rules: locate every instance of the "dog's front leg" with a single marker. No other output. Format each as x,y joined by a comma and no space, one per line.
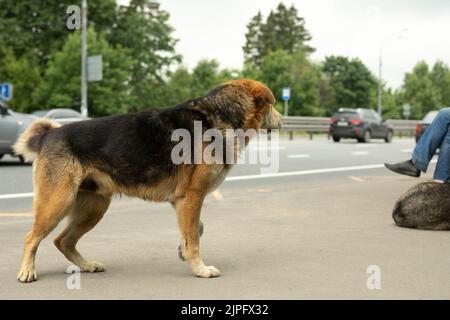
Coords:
188,211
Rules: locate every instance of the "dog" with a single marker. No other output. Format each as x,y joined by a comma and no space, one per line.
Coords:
425,206
78,167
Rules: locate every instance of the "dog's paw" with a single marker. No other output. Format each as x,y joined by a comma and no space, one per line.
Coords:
27,275
207,272
93,266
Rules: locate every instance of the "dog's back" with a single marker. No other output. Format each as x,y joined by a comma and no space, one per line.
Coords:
425,206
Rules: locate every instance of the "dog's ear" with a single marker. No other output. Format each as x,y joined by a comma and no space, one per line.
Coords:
260,93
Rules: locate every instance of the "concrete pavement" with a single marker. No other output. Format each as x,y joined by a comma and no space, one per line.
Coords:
276,238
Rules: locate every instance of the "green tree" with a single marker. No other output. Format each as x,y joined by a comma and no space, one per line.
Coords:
280,69
204,77
61,84
420,91
144,29
440,76
392,104
351,82
253,47
283,29
38,28
179,86
24,73
183,85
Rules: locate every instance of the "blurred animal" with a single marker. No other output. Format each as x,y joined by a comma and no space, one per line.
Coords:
425,206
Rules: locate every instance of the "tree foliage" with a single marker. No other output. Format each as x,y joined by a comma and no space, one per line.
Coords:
142,68
61,84
420,91
283,30
144,29
39,27
351,82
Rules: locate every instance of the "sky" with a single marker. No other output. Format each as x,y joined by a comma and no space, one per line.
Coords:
404,31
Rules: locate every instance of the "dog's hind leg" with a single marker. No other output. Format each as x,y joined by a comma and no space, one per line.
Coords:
54,196
188,211
88,210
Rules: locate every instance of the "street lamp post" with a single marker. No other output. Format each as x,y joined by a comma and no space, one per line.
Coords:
84,87
380,86
399,36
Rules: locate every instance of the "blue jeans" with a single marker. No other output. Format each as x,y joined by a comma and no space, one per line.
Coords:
436,136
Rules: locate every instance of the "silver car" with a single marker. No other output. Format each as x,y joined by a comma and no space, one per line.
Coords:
60,115
12,124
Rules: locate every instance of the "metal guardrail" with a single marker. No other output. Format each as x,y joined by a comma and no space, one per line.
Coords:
312,125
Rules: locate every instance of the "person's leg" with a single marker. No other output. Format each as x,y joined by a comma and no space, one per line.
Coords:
436,135
442,171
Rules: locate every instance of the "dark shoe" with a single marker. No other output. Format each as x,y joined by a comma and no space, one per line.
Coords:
406,168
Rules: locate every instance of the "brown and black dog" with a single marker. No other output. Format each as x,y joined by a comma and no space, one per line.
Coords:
80,166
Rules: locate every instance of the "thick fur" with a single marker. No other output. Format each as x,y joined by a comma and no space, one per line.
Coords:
425,206
80,166
30,142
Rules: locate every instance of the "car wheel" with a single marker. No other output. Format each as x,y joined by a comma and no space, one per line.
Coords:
389,137
336,139
21,159
1,156
367,136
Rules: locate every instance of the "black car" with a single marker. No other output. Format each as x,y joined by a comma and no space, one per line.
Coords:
425,123
361,124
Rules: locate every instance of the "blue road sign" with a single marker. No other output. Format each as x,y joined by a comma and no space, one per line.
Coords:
6,91
286,95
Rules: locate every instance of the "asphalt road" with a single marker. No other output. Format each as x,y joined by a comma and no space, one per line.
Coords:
309,231
300,154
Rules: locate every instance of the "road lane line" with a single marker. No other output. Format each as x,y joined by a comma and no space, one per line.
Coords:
298,156
16,214
16,195
360,153
255,176
305,172
357,179
407,150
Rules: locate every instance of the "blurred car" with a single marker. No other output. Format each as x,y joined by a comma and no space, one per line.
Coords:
361,124
12,124
60,115
425,123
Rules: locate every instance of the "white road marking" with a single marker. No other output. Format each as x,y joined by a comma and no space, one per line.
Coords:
256,148
305,172
298,156
16,214
357,179
407,150
360,153
16,195
366,145
255,176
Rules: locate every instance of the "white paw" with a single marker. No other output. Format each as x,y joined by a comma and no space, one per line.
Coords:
27,275
93,266
208,272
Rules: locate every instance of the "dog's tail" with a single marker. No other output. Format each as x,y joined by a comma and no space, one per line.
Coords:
30,141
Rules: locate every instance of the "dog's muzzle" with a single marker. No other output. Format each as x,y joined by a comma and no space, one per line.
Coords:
272,120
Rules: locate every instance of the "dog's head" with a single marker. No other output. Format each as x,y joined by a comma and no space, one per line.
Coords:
263,111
